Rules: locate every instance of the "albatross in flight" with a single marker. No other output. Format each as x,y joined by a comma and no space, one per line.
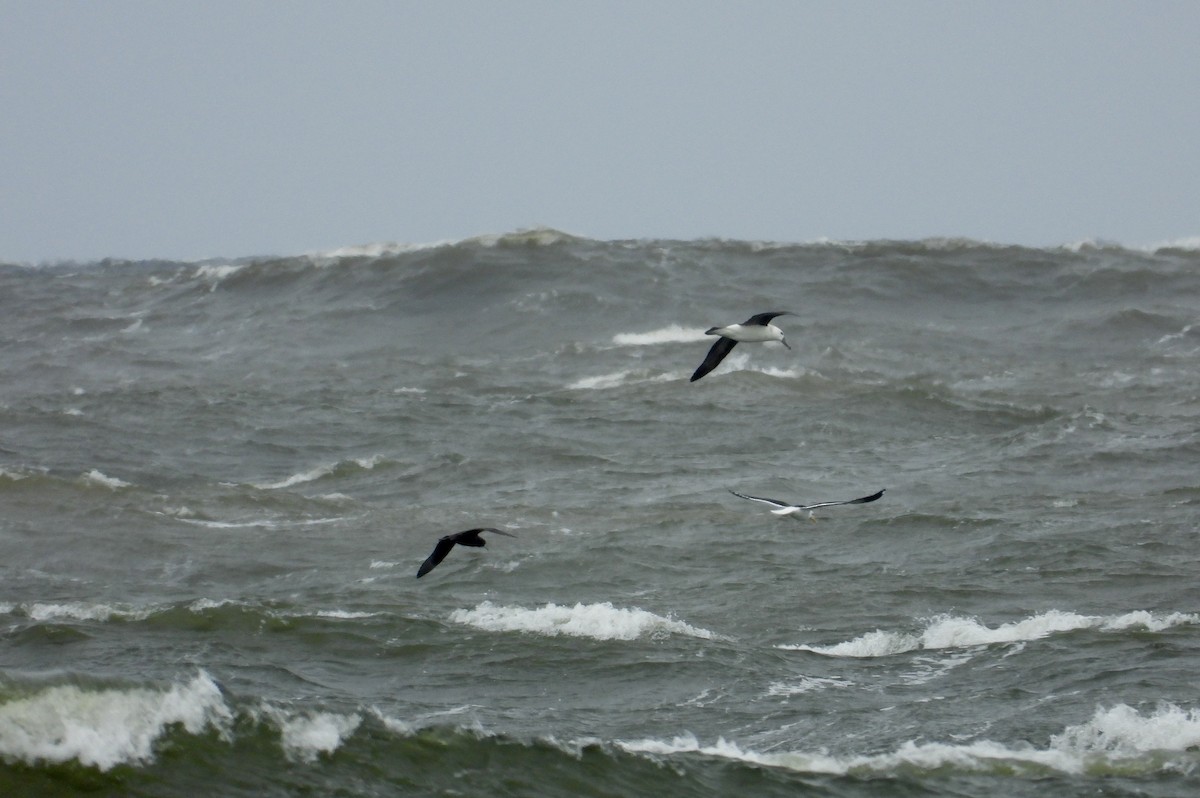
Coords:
446,542
756,328
783,509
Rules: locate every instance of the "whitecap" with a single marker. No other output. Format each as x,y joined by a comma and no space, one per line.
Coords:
95,477
217,272
228,524
1191,242
619,378
298,478
306,736
375,250
672,334
599,382
365,463
598,621
1149,621
80,611
103,728
872,644
345,615
1121,732
948,631
1117,738
203,604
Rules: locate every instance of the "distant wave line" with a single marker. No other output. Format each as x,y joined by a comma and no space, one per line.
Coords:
948,631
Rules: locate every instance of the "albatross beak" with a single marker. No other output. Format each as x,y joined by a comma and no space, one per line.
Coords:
785,343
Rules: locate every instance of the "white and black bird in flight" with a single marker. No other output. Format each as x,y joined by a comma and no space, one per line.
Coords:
470,537
783,509
757,328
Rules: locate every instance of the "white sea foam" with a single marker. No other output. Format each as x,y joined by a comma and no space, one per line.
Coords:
377,250
95,477
228,524
619,378
217,271
1192,242
104,728
394,725
948,631
599,382
673,334
598,621
366,463
306,737
806,684
1116,739
264,523
344,615
81,611
1121,732
200,605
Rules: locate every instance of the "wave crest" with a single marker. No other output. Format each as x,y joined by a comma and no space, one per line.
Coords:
108,727
598,621
1115,741
948,631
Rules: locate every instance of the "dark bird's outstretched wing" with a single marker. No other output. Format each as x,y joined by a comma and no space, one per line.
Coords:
439,553
763,319
470,537
715,355
860,500
772,502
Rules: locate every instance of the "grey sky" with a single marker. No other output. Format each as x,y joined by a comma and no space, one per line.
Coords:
216,128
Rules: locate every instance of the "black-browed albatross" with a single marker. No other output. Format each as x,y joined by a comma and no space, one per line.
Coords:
783,509
470,537
757,328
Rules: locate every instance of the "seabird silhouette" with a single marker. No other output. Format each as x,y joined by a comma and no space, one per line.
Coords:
468,538
756,328
785,509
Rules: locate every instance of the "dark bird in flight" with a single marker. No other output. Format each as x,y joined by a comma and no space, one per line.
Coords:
756,328
471,537
783,509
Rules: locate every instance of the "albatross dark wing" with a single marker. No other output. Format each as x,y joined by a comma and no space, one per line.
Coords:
715,355
439,553
763,319
774,502
860,500
470,537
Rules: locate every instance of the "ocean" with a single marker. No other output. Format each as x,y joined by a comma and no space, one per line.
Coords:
218,480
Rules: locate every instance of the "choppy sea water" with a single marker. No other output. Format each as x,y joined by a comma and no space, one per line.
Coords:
218,480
